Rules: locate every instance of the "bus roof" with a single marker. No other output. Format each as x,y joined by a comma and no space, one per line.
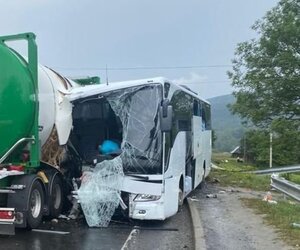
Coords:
90,90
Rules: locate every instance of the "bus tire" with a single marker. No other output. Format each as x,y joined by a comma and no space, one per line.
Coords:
180,198
35,204
202,183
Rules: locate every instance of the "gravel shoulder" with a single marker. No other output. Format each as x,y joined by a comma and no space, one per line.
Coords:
228,224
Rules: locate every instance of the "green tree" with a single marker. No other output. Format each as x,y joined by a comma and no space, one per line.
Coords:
286,145
266,81
213,138
286,142
256,143
266,70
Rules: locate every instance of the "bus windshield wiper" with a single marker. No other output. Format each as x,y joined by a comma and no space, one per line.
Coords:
139,177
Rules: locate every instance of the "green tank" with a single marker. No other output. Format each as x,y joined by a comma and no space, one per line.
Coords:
17,99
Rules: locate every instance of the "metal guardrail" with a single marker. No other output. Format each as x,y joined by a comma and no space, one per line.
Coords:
287,169
289,188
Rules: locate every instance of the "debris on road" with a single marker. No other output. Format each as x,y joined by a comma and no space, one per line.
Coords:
268,198
194,198
233,190
295,225
216,167
55,221
62,216
75,211
272,202
211,196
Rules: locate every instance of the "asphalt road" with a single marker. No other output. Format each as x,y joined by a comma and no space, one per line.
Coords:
174,233
228,224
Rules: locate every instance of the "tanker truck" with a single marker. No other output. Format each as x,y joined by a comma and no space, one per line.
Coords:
35,124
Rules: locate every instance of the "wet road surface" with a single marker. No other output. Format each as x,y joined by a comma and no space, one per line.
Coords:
79,237
174,233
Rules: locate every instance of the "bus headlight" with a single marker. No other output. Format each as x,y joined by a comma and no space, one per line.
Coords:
146,197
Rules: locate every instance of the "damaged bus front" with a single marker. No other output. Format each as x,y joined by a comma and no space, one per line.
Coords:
126,115
120,131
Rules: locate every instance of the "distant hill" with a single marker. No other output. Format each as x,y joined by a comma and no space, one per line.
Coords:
227,127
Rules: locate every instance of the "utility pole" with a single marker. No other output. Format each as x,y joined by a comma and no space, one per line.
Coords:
106,74
244,147
271,149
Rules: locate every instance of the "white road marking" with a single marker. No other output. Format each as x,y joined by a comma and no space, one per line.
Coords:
49,231
131,237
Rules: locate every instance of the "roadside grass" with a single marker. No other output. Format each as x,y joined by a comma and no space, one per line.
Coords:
233,174
281,215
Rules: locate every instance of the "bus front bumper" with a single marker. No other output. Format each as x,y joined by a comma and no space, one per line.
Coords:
147,210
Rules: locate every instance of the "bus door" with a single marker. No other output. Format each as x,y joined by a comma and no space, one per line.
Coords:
196,129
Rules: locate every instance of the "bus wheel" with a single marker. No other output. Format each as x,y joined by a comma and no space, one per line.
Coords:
180,198
55,197
35,205
202,183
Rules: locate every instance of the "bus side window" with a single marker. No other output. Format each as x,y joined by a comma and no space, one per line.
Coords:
196,108
203,114
207,116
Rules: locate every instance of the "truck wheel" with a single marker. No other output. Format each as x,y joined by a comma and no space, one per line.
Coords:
56,197
35,205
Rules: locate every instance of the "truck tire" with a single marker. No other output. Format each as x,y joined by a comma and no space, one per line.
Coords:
35,205
55,196
27,200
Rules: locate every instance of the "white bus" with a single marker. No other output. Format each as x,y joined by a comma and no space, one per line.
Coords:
164,134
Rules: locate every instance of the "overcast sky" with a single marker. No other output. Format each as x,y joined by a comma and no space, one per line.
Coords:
81,37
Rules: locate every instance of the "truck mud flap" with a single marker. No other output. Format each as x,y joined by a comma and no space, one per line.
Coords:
7,228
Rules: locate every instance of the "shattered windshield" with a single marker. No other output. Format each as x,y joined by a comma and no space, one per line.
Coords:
137,109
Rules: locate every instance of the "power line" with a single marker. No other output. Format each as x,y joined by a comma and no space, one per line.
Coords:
147,67
207,82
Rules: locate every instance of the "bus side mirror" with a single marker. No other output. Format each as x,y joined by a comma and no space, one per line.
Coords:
166,115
